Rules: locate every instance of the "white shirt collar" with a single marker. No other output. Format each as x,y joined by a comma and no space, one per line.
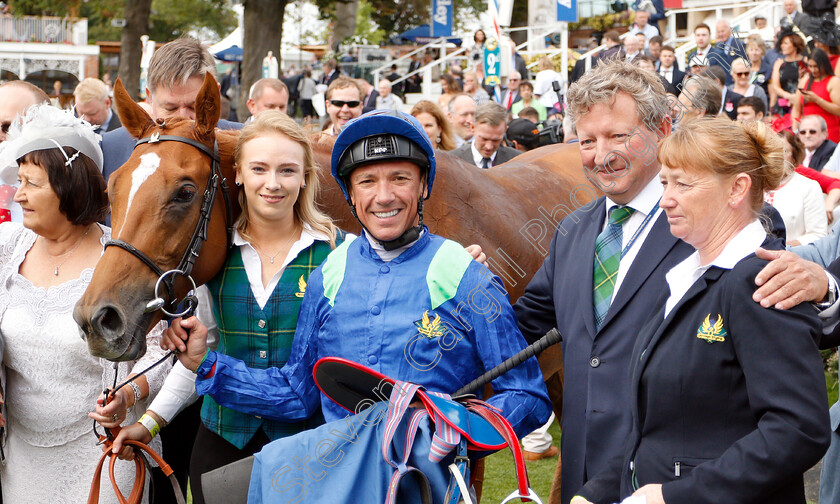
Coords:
252,262
477,157
307,238
646,201
682,276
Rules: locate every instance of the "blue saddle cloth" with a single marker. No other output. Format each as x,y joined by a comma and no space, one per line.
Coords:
341,462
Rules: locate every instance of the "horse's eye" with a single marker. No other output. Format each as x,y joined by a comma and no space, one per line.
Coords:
185,194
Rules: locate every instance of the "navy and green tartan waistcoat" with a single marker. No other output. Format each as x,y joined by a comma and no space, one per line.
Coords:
262,338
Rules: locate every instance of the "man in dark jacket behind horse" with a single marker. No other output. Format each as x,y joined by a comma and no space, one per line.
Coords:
175,75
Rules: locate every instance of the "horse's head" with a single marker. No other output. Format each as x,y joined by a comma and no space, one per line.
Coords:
156,200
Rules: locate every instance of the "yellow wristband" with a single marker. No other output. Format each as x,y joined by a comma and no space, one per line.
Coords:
150,424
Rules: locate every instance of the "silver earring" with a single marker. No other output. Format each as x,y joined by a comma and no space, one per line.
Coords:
303,186
239,184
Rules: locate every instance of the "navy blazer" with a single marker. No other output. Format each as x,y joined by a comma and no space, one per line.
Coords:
822,155
728,412
596,407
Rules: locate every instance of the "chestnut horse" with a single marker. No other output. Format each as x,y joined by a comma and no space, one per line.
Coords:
510,210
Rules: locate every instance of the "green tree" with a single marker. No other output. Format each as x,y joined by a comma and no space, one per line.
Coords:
161,20
263,32
367,31
396,16
167,19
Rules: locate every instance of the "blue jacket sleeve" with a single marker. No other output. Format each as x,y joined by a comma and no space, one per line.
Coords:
520,393
822,251
286,394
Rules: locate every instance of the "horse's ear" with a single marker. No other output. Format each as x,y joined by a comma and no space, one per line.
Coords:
208,106
132,115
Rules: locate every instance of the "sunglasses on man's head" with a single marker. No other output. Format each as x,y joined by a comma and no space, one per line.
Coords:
340,103
808,132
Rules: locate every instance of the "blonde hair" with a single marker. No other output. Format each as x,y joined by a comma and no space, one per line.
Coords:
306,210
91,89
728,148
447,138
755,40
545,63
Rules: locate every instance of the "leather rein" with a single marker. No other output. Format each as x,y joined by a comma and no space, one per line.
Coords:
167,278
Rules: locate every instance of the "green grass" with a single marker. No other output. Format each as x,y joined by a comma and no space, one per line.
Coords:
500,476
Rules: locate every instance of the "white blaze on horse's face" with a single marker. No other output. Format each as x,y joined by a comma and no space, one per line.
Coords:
149,163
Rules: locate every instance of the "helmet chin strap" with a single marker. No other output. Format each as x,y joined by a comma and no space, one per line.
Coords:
409,235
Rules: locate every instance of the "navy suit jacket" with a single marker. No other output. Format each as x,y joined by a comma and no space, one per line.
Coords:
727,419
730,103
822,155
596,405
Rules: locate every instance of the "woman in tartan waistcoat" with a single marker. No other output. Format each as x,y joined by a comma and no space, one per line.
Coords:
280,238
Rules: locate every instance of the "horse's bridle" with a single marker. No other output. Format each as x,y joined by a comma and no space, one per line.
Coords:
199,235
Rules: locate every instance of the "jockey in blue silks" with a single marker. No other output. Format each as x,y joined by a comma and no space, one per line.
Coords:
400,300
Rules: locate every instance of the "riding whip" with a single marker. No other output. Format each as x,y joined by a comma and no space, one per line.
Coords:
550,338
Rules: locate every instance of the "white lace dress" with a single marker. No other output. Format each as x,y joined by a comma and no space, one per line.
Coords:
52,383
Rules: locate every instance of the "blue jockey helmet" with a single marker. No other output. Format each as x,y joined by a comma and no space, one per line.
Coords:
382,135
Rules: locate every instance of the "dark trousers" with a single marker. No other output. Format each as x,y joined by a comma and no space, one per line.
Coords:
212,451
177,438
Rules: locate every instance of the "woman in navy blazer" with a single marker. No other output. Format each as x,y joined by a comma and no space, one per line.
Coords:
729,399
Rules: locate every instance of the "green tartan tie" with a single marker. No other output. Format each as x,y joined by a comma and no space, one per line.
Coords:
607,259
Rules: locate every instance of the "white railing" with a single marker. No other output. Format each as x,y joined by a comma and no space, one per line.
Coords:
771,10
50,30
437,43
671,15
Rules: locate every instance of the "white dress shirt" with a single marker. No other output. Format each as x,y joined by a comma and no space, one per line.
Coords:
478,157
682,276
644,203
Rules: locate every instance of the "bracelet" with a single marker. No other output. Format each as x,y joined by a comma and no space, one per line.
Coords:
150,424
136,388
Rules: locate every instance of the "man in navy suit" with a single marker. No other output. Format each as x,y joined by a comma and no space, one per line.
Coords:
669,69
729,47
705,52
618,148
175,76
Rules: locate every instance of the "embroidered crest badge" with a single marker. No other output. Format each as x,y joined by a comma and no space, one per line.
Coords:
712,333
301,287
430,328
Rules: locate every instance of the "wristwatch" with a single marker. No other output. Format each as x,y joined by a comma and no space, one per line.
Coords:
830,296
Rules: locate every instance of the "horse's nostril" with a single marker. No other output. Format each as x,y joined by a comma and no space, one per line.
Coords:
108,321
